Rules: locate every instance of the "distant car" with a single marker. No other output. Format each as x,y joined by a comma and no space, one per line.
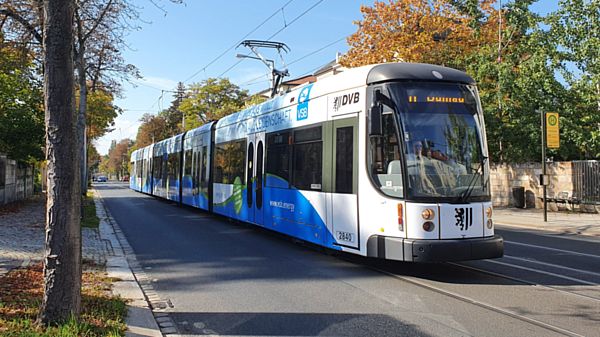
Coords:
102,179
125,179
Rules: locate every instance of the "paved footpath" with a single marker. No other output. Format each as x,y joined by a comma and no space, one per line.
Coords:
22,238
22,243
562,222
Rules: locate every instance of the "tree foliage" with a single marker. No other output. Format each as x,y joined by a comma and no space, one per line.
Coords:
210,100
100,27
199,103
118,158
418,31
575,35
101,113
173,115
21,105
152,129
517,76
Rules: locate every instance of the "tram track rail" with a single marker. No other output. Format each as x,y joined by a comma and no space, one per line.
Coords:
418,281
466,299
523,281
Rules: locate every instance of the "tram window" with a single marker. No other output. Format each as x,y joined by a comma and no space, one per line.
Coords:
196,170
385,159
306,135
203,163
278,157
188,163
230,161
344,158
158,167
308,159
172,165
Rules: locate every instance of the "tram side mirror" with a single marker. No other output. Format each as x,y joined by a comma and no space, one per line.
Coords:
375,113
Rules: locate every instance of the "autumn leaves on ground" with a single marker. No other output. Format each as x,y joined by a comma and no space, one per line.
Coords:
21,292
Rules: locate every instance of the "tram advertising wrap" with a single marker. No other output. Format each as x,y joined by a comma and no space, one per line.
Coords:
387,161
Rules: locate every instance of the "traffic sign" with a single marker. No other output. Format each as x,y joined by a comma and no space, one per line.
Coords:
552,130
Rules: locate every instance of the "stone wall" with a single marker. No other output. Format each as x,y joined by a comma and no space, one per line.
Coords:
16,182
506,177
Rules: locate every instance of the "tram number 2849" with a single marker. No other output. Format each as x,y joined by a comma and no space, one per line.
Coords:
345,236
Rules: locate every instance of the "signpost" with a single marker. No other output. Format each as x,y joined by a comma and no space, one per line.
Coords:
551,136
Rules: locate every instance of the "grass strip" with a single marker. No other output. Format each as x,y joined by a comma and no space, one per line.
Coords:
21,291
89,219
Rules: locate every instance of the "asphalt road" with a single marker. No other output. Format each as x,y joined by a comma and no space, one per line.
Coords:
227,278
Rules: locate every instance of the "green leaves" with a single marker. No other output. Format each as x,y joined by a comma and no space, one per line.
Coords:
101,113
546,64
211,99
21,106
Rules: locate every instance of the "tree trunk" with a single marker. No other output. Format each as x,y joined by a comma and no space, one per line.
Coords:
81,118
62,256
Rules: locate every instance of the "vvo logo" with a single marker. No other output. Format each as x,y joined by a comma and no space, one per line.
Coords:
303,98
346,99
464,218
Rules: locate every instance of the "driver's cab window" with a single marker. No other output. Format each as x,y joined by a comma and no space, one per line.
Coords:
386,167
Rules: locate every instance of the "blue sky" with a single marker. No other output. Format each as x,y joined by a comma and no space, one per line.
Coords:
179,42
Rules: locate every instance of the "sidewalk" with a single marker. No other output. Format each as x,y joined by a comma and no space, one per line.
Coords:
22,238
562,222
22,243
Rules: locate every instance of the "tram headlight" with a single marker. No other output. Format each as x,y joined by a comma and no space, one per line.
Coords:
490,224
428,214
488,212
428,226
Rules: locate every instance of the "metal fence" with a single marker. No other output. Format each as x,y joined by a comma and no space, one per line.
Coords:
16,181
586,181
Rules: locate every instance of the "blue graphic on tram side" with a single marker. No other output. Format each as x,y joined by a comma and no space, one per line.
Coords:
303,99
191,197
288,211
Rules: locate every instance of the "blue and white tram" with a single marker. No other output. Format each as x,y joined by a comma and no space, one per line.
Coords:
140,166
387,160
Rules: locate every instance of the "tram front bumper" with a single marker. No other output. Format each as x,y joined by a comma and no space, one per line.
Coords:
415,250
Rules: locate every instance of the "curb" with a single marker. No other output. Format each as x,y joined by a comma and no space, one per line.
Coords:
560,230
140,318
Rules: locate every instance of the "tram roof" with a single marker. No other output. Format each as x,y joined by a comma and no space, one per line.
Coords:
352,78
416,71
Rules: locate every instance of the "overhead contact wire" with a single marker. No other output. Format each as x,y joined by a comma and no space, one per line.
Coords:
238,42
279,31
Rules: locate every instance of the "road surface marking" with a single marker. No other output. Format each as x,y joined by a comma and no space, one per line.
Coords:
544,272
552,249
553,265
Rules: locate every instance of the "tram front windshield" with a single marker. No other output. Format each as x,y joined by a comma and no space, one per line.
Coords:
443,146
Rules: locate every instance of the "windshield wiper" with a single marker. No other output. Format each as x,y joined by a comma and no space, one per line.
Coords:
467,193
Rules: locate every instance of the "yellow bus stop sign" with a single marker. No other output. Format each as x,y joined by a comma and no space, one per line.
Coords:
552,130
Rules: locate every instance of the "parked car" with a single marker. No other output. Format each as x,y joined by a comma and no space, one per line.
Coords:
102,179
125,179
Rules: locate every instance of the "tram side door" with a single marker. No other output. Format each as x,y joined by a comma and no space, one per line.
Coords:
344,199
254,177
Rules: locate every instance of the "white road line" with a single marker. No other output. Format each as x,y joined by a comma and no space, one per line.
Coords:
553,265
552,249
544,272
